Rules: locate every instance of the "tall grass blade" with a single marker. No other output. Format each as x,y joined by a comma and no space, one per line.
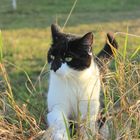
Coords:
66,126
88,111
125,45
135,52
74,4
1,53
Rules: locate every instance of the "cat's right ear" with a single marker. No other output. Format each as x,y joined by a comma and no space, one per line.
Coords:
55,29
87,39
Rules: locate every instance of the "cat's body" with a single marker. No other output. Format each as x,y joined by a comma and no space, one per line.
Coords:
74,87
71,95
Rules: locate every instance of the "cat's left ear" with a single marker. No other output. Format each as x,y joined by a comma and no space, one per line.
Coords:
87,39
55,29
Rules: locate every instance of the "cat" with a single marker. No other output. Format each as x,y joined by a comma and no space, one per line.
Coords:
74,85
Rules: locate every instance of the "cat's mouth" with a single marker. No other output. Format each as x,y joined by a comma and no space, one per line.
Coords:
63,69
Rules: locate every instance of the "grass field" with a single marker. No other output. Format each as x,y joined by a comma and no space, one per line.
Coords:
23,74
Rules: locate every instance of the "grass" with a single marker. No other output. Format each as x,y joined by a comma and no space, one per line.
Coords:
23,70
40,14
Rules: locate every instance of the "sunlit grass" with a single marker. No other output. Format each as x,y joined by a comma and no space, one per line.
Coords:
22,100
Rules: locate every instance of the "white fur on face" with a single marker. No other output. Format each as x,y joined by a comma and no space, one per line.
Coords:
64,70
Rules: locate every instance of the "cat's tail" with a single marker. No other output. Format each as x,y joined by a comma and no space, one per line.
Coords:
108,52
103,57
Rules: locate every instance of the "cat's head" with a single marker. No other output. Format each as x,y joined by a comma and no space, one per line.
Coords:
69,51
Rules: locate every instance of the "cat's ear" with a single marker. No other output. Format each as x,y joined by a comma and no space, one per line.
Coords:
87,39
55,29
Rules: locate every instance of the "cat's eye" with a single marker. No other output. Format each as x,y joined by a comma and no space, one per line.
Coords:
68,59
52,57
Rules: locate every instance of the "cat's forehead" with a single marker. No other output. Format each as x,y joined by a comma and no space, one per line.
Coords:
71,37
67,37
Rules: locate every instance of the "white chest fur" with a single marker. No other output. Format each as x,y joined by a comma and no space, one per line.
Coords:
70,92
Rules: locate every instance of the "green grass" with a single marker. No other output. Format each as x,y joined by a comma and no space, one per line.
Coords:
40,14
1,45
26,38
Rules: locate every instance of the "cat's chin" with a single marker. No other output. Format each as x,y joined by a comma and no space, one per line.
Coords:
63,71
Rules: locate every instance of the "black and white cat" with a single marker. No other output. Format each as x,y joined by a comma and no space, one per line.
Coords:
75,85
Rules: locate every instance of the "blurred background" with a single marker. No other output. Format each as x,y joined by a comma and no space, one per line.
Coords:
16,14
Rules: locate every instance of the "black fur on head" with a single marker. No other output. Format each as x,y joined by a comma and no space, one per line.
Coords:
71,49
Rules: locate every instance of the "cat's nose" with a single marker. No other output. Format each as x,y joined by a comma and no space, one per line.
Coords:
54,69
55,66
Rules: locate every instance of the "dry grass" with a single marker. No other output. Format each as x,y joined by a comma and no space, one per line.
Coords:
16,122
123,101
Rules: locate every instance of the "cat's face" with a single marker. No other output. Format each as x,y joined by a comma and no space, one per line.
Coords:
69,51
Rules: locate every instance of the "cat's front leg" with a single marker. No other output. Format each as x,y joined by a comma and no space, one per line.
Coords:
89,111
56,121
